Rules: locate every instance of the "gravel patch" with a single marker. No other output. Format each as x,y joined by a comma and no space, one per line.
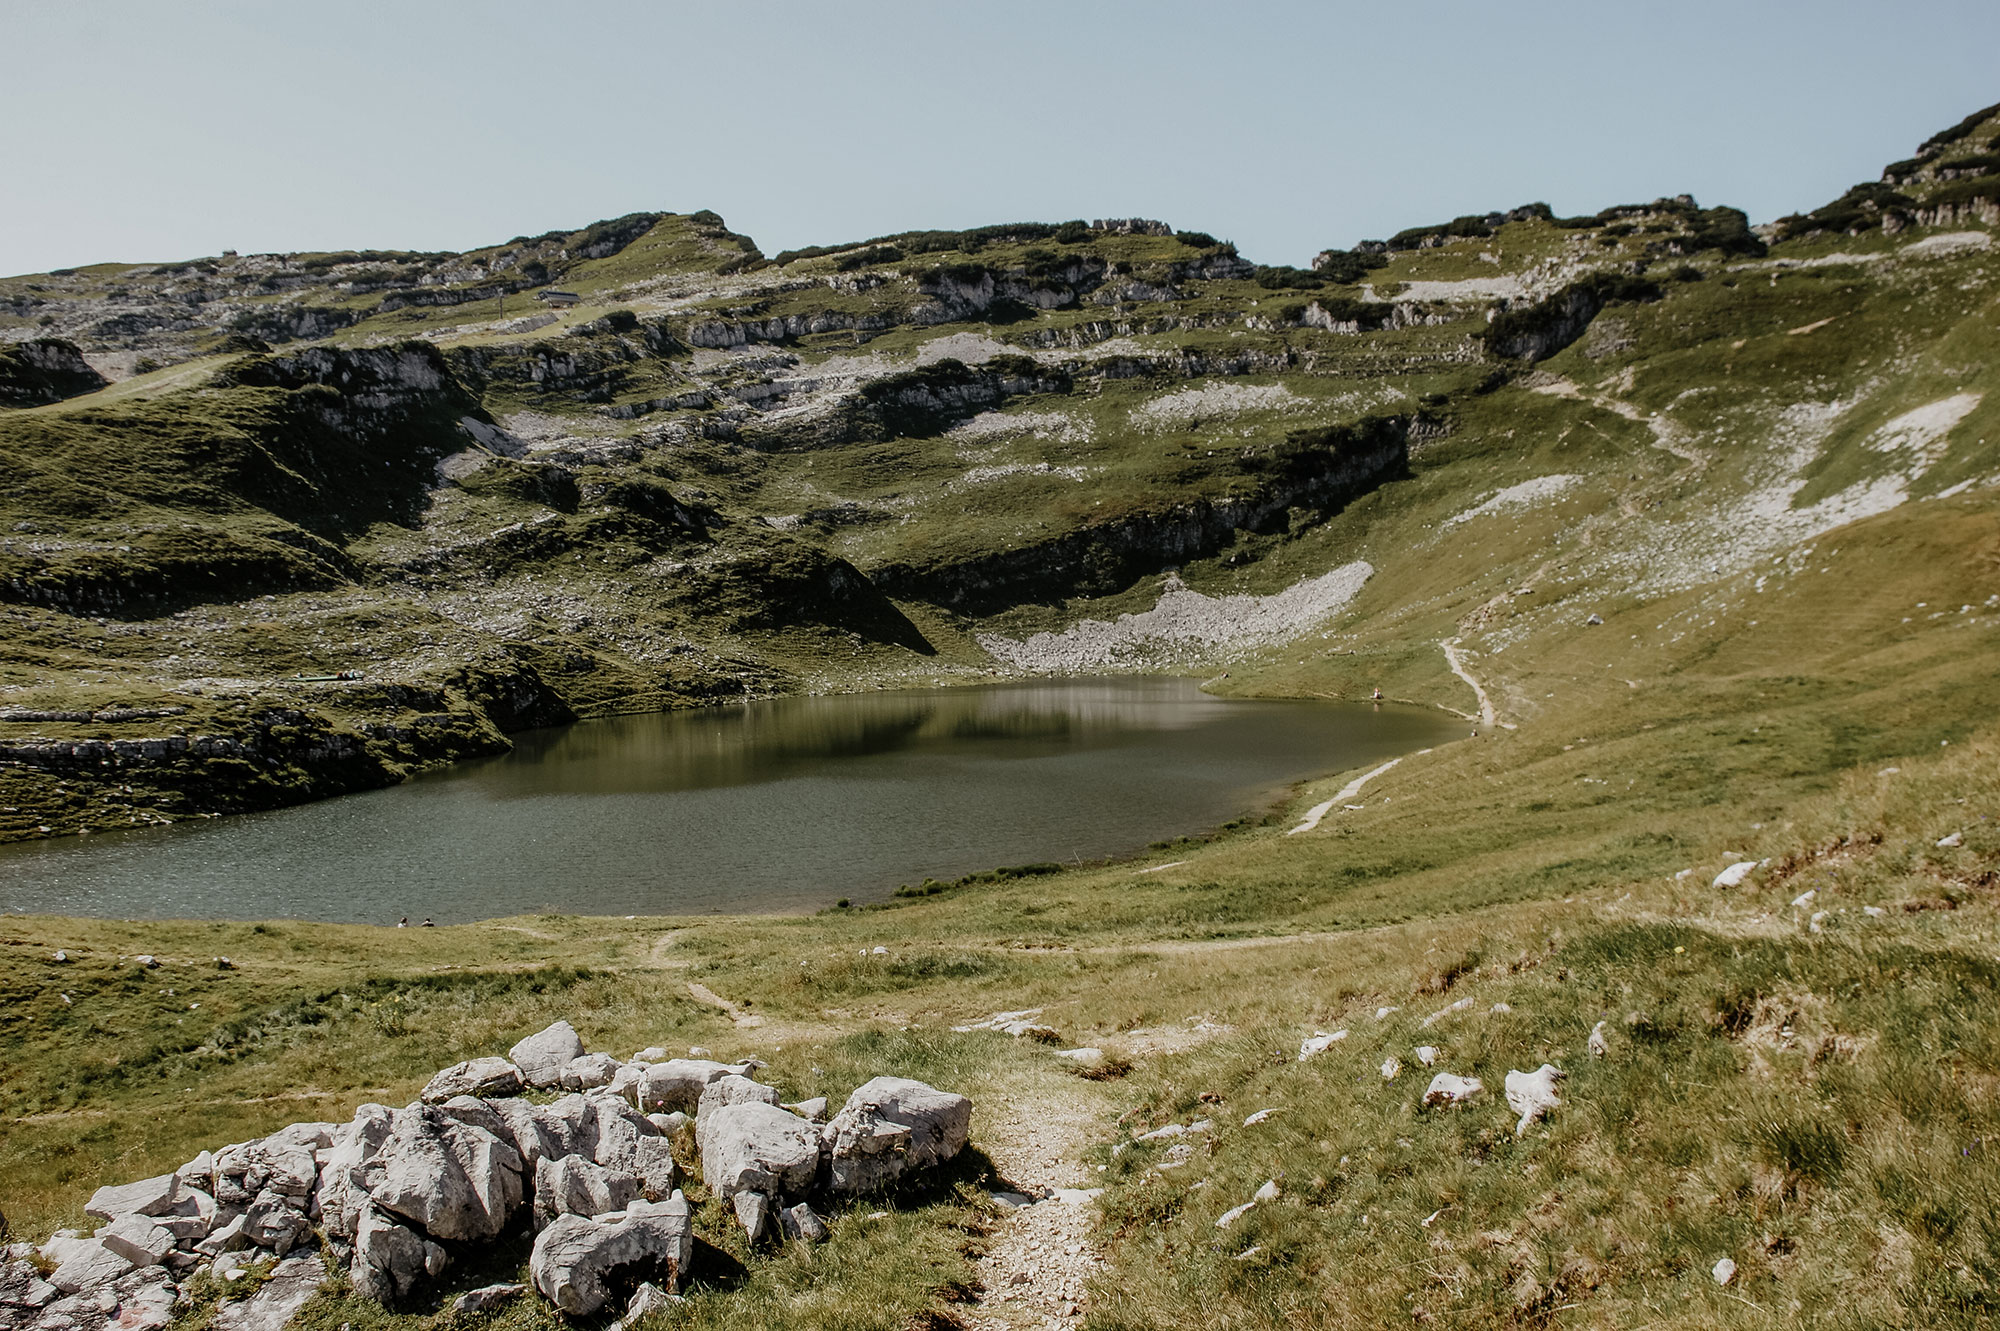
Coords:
1185,625
1524,495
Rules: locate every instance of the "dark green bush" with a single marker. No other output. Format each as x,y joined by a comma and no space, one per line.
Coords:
1282,278
1196,240
1962,130
1345,266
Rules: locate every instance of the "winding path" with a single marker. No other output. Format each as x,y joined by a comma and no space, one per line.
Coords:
1486,717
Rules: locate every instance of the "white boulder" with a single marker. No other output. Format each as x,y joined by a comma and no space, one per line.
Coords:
477,1077
543,1056
576,1259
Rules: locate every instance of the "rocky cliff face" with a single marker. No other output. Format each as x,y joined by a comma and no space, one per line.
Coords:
44,370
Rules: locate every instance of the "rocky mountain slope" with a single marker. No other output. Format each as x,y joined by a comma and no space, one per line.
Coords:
925,457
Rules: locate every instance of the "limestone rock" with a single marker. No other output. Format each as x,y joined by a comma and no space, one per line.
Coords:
293,1281
814,1109
1319,1042
458,1182
758,1147
889,1126
629,1082
574,1185
753,1212
801,1223
339,1197
89,1266
576,1259
1734,875
391,1260
1533,1094
647,1300
286,1167
731,1089
1599,1045
226,1237
1449,1089
477,1077
542,1057
276,1221
677,1084
137,1239
21,1286
486,1298
153,1196
588,1072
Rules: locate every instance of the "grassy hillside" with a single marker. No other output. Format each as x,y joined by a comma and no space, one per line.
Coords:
1700,531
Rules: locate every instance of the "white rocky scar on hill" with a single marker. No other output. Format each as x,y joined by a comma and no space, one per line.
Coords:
1190,407
1524,495
1185,624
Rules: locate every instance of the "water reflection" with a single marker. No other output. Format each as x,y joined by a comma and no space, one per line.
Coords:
791,736
772,806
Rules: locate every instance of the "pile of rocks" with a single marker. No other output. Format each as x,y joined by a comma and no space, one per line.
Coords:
399,1195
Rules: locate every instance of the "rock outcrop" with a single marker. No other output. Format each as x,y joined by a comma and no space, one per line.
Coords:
397,1195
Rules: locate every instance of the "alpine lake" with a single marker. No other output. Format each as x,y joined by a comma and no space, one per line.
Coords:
781,805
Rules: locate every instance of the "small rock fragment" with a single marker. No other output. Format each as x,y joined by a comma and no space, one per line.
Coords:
486,1298
1232,1215
1258,1117
1267,1193
1734,875
1427,1054
1392,1067
1319,1042
1952,842
1599,1045
1450,1089
1533,1094
1723,1271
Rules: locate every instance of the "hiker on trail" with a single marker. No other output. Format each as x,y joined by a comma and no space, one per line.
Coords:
1378,695
403,923
427,923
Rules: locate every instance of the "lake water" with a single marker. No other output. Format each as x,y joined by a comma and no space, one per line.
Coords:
782,805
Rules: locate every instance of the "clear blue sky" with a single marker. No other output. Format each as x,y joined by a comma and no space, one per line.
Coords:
147,130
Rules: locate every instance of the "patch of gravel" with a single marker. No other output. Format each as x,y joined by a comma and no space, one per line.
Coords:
1185,625
1920,433
1948,244
971,348
1190,407
1037,1270
993,425
1524,495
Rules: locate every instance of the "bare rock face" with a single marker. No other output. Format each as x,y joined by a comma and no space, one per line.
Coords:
89,1265
731,1089
542,1057
153,1196
890,1126
137,1239
391,1261
677,1084
476,1077
338,1200
574,1185
577,1258
758,1147
276,1221
457,1182
587,1072
283,1166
